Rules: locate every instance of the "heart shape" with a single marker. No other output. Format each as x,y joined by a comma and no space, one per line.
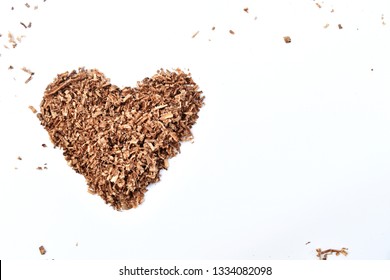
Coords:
120,139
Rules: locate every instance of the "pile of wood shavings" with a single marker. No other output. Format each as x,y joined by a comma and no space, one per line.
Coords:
120,139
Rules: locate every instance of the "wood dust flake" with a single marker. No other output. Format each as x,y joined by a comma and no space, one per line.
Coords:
323,255
32,109
42,250
195,34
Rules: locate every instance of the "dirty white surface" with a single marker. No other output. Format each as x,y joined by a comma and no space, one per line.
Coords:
293,145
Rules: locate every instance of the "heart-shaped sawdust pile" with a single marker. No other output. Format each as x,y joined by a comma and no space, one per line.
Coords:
120,139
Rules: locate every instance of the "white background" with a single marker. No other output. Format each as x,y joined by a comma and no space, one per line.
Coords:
292,146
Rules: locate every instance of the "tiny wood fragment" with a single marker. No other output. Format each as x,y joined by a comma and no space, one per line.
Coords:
323,255
19,158
120,139
231,32
246,10
340,26
42,250
287,39
196,33
32,109
44,145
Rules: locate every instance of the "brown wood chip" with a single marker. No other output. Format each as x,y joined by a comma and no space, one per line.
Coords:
196,33
19,158
42,250
340,26
120,139
323,255
231,32
44,145
287,39
246,10
27,5
32,109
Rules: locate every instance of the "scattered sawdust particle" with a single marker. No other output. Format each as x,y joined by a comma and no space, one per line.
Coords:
44,145
10,67
77,244
29,25
340,26
27,5
42,250
35,7
39,168
19,158
45,167
12,8
307,243
196,33
326,25
25,26
323,255
28,71
287,39
332,11
246,10
255,18
11,39
231,32
28,79
213,28
32,109
318,5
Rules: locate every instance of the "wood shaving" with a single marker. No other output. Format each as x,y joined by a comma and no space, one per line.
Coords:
196,33
11,40
44,145
213,28
19,158
28,79
231,32
28,71
318,5
120,139
287,39
32,109
340,26
326,25
246,10
42,250
10,67
39,168
27,5
323,255
25,26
